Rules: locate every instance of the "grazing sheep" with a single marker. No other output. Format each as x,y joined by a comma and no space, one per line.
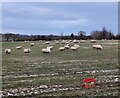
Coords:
93,41
62,48
32,44
97,47
74,48
75,41
76,45
63,42
46,50
28,50
103,39
56,42
26,41
66,42
18,47
49,47
67,47
7,51
94,46
47,42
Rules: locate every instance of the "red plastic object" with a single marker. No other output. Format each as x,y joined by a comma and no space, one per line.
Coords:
89,82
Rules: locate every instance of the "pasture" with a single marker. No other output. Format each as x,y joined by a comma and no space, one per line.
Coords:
60,73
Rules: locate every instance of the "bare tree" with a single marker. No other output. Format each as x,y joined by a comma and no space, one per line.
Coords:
81,34
8,36
104,34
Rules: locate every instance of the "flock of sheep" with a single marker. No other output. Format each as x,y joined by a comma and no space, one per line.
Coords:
67,45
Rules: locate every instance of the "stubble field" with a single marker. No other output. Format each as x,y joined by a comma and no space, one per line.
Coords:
60,73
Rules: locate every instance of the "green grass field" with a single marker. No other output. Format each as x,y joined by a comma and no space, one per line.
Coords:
62,73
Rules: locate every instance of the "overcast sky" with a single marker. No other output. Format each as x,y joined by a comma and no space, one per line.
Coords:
54,18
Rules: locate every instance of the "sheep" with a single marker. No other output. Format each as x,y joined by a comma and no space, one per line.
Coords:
26,41
97,47
49,47
47,42
93,41
18,47
32,44
46,50
74,48
66,42
103,39
67,46
76,45
62,48
63,42
28,50
7,51
94,46
75,41
56,42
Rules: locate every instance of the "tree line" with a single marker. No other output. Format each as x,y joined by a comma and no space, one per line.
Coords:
103,34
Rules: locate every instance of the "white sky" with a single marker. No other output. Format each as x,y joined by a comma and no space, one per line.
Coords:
87,23
59,0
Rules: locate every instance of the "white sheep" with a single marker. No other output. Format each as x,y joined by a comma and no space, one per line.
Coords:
75,41
93,41
63,42
67,46
49,47
97,47
18,47
32,44
47,42
46,50
26,41
7,51
76,45
66,42
103,39
74,48
56,42
28,50
62,48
